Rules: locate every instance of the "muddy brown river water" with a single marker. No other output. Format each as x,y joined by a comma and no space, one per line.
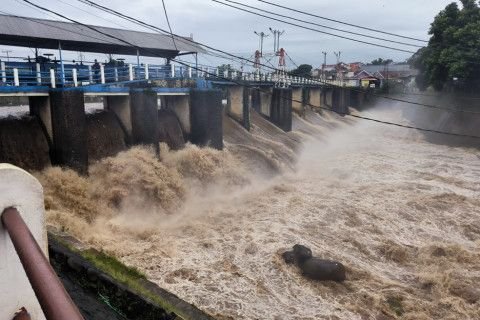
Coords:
402,214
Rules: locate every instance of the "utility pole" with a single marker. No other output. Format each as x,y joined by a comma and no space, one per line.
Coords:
324,65
7,52
338,55
261,36
339,72
276,39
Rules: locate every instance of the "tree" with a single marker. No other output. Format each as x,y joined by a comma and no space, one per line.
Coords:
303,70
452,57
223,68
380,61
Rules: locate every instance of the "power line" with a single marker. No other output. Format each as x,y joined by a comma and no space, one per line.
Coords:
168,22
244,59
315,30
342,22
267,91
324,26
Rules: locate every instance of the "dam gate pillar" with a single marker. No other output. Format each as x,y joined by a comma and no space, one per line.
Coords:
281,108
206,118
69,143
144,117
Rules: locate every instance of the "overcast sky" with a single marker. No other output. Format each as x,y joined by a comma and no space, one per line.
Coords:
233,31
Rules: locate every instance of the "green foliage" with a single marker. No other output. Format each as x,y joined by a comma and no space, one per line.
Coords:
380,61
223,68
453,51
303,70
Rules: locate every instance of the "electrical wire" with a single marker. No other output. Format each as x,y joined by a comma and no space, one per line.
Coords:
316,80
315,30
317,107
168,22
342,22
157,29
324,26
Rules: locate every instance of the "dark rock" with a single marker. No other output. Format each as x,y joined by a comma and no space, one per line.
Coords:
314,268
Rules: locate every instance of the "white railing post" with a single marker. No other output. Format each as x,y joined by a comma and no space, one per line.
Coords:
189,72
4,72
102,73
75,78
90,74
130,72
115,72
147,75
39,73
16,80
52,78
172,70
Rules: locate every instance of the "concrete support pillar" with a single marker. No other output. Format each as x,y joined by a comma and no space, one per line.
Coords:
255,99
206,118
328,95
340,100
281,108
120,106
69,129
247,103
144,117
20,190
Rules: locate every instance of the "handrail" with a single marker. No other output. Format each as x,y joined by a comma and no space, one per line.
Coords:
54,300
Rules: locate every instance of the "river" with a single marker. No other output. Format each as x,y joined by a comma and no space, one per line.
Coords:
401,213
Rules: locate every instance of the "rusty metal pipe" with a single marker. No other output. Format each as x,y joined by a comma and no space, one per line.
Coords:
54,300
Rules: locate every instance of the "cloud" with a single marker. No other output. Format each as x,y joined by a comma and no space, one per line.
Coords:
232,30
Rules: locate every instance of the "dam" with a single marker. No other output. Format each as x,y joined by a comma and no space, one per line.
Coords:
196,184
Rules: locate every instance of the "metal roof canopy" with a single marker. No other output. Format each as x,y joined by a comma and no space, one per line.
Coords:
48,34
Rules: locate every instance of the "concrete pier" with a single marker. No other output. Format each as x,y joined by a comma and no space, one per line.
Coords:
144,117
206,118
340,100
281,108
69,129
247,105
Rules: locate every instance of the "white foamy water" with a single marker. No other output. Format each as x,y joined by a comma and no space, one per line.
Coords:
402,214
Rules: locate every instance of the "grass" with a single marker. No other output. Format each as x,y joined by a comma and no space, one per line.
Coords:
130,277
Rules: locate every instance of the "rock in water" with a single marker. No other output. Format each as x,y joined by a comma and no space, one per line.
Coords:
314,268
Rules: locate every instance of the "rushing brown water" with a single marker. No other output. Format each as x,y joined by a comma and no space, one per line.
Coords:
402,214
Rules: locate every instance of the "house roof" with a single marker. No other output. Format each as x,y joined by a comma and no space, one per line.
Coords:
47,34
